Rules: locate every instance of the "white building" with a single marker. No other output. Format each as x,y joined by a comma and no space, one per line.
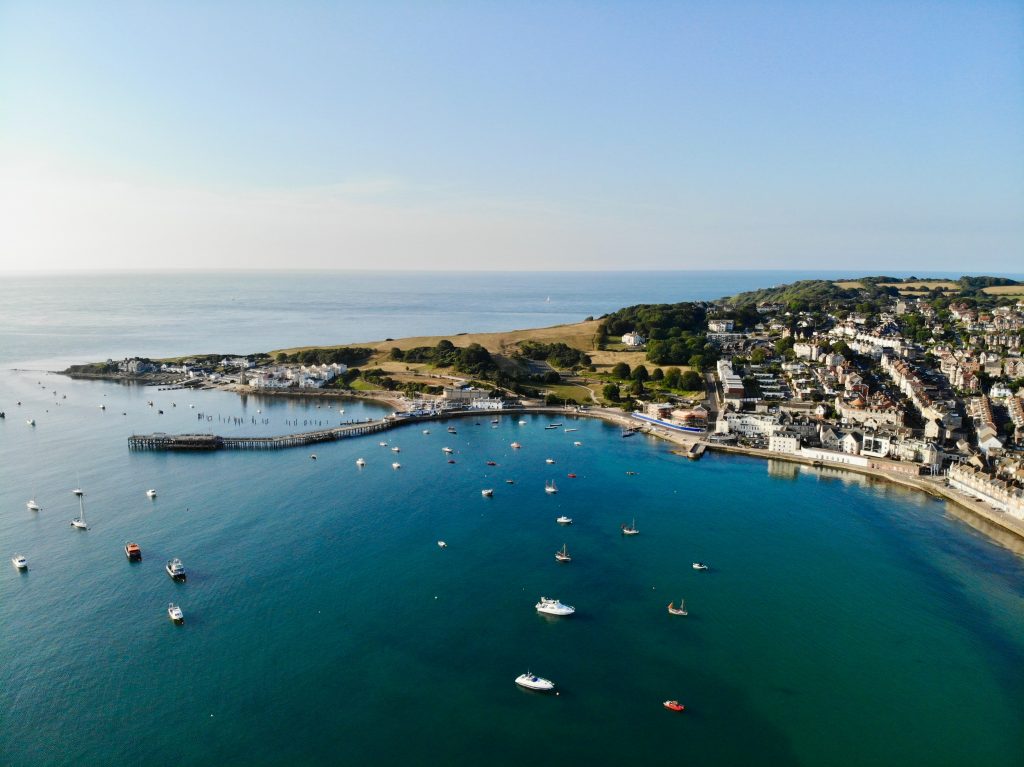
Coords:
720,326
784,443
633,340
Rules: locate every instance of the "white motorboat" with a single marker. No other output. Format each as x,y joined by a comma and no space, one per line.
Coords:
567,431
487,493
577,444
383,444
151,493
447,450
19,561
549,460
515,446
522,423
312,456
103,407
700,566
360,462
396,465
553,607
550,488
31,421
564,520
563,554
531,681
79,521
174,613
442,544
31,505
396,449
426,431
176,570
631,528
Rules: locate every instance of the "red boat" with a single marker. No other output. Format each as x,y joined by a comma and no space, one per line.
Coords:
572,476
674,705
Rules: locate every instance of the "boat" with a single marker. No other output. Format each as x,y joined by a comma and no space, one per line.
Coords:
674,705
396,449
396,465
554,607
571,476
31,504
426,431
630,529
531,681
549,460
175,614
550,426
494,420
515,446
447,450
700,566
681,610
564,520
31,421
176,570
360,462
383,444
19,561
549,487
510,481
151,493
491,463
487,493
563,554
442,544
133,552
103,407
341,410
79,521
522,423
567,431
577,444
451,430
628,433
451,460
312,456
630,473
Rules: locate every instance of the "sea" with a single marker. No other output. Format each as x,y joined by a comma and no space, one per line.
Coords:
843,621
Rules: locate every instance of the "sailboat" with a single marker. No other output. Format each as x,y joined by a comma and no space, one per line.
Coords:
563,554
549,487
681,610
630,529
79,521
31,504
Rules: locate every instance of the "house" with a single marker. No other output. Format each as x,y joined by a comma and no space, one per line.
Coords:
784,442
850,443
633,340
720,326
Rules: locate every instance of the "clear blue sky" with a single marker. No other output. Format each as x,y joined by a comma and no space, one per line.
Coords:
554,134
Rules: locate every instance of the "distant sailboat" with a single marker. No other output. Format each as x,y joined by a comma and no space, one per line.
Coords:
630,529
550,488
563,554
79,521
681,610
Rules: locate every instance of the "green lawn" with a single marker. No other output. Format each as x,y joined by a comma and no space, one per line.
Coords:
578,394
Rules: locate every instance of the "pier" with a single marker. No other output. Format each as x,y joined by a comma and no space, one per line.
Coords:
162,441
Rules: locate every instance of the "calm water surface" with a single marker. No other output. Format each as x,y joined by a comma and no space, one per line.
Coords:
843,622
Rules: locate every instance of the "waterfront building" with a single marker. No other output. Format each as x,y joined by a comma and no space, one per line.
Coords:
996,492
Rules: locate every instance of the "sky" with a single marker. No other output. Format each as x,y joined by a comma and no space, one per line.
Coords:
506,135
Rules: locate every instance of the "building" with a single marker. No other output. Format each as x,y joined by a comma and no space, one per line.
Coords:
720,326
633,340
995,492
732,384
784,442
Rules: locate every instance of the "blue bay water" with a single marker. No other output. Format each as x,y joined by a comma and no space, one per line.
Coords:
844,622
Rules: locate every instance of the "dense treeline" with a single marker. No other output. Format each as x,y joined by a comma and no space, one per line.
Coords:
473,359
797,296
343,355
675,332
558,355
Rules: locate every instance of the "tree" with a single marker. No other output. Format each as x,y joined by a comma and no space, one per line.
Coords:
696,361
553,399
691,381
611,392
758,356
657,374
637,387
621,370
640,374
672,378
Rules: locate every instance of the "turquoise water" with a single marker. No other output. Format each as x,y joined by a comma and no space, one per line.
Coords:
843,622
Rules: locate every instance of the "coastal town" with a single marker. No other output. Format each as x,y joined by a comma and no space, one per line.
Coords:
906,380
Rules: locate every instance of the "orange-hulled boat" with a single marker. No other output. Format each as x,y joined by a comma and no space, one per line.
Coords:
133,552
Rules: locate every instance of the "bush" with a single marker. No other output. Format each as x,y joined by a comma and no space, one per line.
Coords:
621,370
691,381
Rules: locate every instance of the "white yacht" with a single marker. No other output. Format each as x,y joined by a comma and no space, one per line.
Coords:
151,493
522,423
426,431
442,544
383,444
396,449
31,421
176,570
487,493
31,504
447,450
174,613
553,607
700,566
577,444
564,520
549,460
550,488
79,521
396,465
360,462
515,446
19,561
531,681
631,528
562,555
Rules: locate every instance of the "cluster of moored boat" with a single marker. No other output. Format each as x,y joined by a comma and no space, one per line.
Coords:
174,568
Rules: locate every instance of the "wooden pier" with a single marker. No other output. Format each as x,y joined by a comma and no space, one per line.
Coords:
163,441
